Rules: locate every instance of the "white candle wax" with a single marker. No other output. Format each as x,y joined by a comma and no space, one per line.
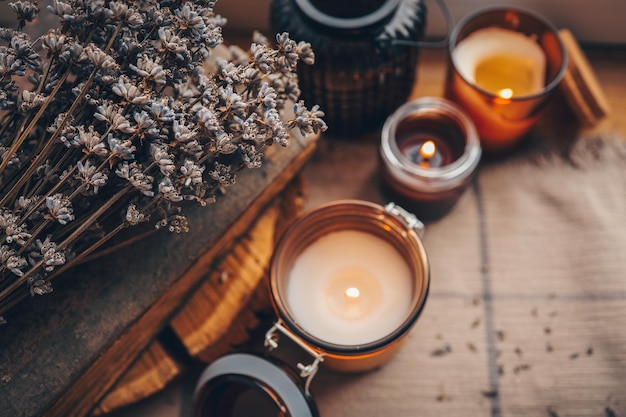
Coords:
501,61
349,288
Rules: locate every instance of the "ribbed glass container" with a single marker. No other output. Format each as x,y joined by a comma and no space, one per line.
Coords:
360,75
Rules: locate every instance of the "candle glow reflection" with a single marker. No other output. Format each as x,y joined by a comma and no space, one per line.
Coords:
506,93
353,293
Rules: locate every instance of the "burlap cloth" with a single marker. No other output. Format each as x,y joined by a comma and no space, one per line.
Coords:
527,310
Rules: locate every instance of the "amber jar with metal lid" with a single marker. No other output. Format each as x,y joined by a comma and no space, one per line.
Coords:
362,70
242,384
392,224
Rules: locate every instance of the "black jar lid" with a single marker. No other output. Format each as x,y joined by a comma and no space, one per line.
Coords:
242,384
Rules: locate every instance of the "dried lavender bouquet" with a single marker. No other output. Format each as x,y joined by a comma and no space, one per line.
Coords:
110,120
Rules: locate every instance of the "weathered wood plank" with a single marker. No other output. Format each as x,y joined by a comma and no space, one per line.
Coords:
220,313
212,309
150,374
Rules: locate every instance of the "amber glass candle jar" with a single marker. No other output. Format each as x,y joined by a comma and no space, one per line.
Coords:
360,75
504,65
347,281
350,279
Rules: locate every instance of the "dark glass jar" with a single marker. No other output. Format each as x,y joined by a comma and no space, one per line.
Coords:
427,189
361,74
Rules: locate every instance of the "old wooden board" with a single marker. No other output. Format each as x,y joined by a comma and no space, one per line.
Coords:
231,299
60,354
154,369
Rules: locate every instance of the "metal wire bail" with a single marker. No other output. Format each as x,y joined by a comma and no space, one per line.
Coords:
440,43
306,371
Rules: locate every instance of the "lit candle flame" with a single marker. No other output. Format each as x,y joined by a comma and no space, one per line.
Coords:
353,293
505,93
428,149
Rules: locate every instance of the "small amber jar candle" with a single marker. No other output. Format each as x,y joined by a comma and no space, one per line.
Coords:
504,65
429,152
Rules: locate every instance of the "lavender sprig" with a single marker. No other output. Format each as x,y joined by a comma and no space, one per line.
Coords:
112,120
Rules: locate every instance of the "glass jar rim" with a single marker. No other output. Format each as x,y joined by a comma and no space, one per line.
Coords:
519,10
347,23
430,179
385,223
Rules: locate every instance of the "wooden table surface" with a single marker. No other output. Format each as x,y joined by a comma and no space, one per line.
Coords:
348,169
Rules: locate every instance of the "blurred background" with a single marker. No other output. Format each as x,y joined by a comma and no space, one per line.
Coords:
596,22
599,21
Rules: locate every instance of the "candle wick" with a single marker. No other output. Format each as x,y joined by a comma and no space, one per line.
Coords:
428,149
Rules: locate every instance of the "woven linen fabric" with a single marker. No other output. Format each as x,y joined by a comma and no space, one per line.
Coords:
527,310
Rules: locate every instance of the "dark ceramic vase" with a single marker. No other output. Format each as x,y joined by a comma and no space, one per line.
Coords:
360,75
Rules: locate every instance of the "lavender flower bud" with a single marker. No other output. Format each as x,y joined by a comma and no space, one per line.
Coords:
164,160
129,92
15,265
13,230
145,125
162,112
133,174
91,141
25,11
221,173
149,69
172,43
48,254
61,9
31,100
252,158
191,173
169,191
98,58
90,177
122,149
267,96
59,209
224,143
178,224
40,287
134,216
305,52
54,41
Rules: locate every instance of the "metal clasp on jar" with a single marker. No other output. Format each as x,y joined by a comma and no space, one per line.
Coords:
306,371
409,218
